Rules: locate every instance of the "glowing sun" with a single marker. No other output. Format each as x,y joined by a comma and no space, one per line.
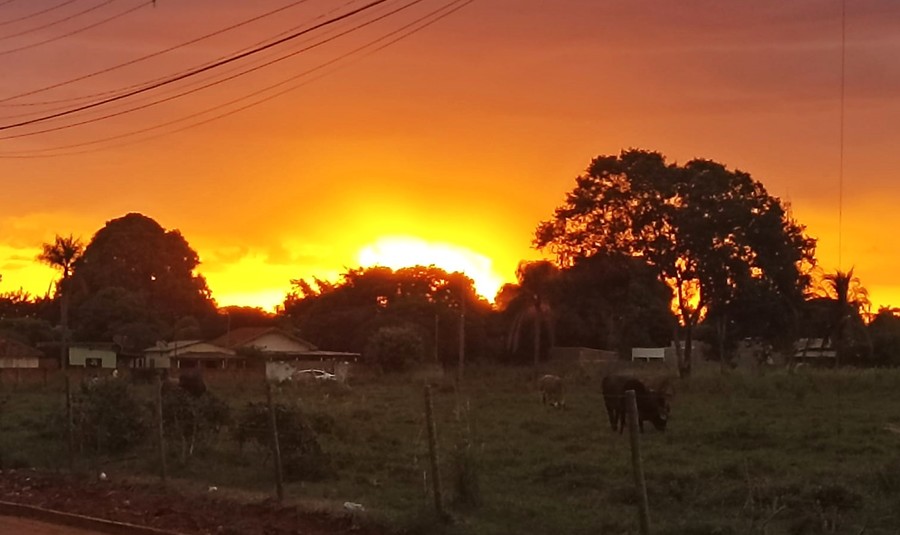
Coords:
398,252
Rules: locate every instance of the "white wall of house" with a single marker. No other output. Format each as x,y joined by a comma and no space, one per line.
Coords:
19,362
92,357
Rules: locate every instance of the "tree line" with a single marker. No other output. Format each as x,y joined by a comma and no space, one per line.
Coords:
642,252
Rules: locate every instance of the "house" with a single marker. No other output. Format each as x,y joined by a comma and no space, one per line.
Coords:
814,350
268,341
277,350
238,349
16,355
97,355
187,354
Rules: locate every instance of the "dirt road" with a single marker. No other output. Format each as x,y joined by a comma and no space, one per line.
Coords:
21,526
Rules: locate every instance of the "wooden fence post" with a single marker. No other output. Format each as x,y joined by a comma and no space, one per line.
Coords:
276,449
163,468
433,454
70,422
636,464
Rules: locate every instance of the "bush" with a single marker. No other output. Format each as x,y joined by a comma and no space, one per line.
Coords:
395,348
302,457
108,418
189,420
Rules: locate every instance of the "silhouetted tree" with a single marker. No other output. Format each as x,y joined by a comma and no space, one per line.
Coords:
706,231
613,302
62,254
849,303
343,315
530,305
153,266
884,331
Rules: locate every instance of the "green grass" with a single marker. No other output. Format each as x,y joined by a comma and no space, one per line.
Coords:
780,453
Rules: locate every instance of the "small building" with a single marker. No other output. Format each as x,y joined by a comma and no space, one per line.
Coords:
189,354
649,354
814,351
16,355
281,353
93,356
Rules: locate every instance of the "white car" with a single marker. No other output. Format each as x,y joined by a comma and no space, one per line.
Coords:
315,375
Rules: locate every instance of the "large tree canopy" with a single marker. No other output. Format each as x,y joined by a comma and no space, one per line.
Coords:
708,231
344,315
602,301
136,256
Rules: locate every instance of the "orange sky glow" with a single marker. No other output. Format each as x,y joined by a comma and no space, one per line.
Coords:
447,146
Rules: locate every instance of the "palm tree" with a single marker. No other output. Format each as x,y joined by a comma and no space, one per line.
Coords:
62,254
532,300
850,304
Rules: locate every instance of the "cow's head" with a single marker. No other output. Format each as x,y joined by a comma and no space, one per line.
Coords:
661,410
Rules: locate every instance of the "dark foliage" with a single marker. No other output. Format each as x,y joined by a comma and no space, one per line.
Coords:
302,456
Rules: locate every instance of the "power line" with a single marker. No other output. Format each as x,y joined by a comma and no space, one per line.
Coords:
219,81
57,21
78,30
416,26
120,90
193,72
38,13
841,164
154,54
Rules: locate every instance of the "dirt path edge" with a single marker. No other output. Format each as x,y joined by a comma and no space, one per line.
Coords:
78,521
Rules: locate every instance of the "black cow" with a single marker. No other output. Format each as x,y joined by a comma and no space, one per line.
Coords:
651,405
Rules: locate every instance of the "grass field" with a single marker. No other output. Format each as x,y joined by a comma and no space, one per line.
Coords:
811,452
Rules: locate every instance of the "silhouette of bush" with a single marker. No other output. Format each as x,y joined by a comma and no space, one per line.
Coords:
302,457
395,348
108,418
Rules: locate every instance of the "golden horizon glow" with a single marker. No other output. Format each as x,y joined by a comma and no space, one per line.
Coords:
398,252
454,135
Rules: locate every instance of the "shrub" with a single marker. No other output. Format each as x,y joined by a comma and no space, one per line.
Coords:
108,418
302,457
190,419
395,348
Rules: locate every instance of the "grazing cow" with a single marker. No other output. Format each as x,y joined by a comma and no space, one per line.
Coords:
652,405
551,388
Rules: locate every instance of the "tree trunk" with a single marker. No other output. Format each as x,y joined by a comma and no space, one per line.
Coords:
684,370
721,325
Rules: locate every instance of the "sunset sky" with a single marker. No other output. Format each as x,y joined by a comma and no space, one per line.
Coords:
446,146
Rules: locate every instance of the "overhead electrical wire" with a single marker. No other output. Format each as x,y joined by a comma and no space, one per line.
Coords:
38,13
219,81
153,54
404,32
82,98
56,22
193,72
144,3
841,163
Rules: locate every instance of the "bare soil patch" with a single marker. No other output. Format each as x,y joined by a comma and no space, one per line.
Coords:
168,509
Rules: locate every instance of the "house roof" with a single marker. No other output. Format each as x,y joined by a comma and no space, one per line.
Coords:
162,347
12,349
245,336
